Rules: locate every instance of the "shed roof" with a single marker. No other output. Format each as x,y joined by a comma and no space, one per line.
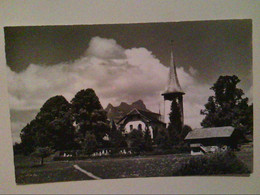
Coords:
213,132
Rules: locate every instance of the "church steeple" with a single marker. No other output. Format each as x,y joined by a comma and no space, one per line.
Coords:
174,91
173,82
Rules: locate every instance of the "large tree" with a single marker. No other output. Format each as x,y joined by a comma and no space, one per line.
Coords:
52,127
28,134
89,115
227,107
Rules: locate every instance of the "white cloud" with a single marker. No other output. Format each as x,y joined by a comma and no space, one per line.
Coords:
192,71
16,127
249,94
114,73
105,48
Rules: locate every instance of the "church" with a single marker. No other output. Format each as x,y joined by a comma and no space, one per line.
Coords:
141,120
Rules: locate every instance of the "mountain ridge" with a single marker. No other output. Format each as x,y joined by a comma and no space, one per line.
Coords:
117,112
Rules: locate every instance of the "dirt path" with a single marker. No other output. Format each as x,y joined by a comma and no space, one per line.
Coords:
86,172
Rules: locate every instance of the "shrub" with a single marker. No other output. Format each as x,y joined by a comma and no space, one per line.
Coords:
213,164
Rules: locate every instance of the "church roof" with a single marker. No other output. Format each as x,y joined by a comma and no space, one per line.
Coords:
149,116
213,132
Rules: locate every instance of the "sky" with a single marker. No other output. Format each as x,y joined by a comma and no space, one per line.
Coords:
124,63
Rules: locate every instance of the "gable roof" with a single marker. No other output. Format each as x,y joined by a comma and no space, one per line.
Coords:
150,116
213,132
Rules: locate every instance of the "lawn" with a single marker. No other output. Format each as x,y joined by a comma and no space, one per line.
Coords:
151,166
246,155
28,170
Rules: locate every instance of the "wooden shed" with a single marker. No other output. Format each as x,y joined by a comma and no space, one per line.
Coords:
213,139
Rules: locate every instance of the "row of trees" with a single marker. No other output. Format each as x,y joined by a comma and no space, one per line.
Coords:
63,125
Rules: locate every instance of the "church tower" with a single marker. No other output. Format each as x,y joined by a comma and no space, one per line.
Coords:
174,91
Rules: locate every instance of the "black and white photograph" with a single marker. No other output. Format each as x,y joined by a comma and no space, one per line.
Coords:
133,100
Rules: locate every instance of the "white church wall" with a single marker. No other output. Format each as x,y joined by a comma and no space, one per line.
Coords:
135,126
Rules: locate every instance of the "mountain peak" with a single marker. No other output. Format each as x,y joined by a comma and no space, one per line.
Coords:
109,106
139,104
123,104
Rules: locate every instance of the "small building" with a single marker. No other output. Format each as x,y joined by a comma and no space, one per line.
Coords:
215,139
141,120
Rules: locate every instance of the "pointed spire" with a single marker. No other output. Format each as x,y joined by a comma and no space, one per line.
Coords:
173,82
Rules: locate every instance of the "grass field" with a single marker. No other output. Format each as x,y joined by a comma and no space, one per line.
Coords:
53,171
28,170
152,166
246,155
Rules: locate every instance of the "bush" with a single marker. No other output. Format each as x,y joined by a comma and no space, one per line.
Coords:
213,164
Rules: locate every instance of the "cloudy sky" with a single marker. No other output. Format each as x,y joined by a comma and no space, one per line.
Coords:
124,62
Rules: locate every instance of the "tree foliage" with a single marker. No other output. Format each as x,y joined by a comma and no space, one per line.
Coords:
185,130
147,140
117,139
28,134
89,143
162,140
228,107
175,125
175,116
42,152
136,140
89,114
17,148
52,127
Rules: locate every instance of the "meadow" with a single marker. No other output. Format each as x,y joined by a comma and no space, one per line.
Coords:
29,171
